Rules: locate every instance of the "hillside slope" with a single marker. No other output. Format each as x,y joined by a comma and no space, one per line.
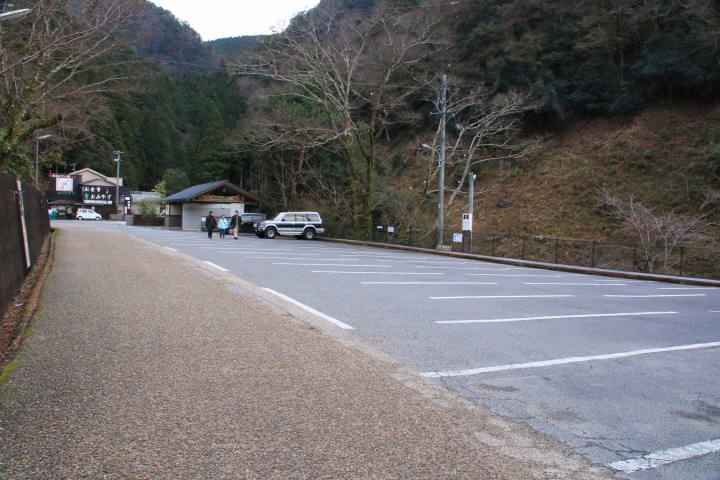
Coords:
666,156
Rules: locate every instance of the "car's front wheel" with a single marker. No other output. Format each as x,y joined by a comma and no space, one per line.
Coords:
270,233
79,218
97,218
309,234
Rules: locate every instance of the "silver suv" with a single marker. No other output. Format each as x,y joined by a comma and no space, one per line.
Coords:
305,225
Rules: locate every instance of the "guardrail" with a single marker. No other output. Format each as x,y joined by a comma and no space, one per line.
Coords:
681,261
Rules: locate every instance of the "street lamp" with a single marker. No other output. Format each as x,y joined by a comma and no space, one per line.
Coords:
37,155
117,181
471,201
15,14
441,192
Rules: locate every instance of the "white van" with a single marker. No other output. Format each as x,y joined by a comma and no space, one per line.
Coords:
87,214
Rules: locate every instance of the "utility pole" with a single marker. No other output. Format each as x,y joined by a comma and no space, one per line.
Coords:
117,181
441,158
441,174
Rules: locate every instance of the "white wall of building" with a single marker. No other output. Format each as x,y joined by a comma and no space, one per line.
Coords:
193,213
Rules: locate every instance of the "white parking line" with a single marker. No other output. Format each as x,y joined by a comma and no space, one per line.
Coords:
311,310
171,249
249,257
663,457
562,361
580,284
378,273
499,296
217,266
429,283
684,288
420,261
511,275
469,268
556,317
329,265
657,296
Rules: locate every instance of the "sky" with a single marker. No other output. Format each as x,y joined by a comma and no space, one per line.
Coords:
214,19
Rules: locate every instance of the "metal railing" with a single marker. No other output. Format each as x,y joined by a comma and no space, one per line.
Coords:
683,260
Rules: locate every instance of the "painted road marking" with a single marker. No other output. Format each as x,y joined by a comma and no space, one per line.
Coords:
218,267
556,317
329,265
429,283
657,296
250,257
684,288
171,249
580,284
499,296
379,273
663,457
468,268
562,361
512,275
420,261
311,310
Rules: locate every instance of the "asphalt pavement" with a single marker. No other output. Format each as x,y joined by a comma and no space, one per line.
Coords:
142,362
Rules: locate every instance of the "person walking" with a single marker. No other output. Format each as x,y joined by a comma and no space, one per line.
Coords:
210,224
222,225
235,224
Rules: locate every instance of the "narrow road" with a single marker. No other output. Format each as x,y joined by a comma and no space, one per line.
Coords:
145,363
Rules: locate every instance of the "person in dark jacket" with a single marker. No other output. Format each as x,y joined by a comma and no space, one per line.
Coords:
210,224
235,224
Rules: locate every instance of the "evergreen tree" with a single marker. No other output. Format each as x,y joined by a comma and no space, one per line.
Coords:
211,158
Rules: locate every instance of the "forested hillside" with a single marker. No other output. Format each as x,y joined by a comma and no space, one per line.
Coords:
565,111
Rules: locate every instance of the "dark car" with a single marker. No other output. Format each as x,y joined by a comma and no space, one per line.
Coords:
248,220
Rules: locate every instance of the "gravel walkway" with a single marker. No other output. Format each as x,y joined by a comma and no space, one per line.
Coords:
144,363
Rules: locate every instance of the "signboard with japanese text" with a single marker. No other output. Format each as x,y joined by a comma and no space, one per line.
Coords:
98,195
63,188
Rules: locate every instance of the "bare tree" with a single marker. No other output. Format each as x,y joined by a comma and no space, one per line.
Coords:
659,234
356,69
485,126
53,65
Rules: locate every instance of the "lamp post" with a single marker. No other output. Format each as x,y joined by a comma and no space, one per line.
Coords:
14,14
441,192
117,181
37,155
471,194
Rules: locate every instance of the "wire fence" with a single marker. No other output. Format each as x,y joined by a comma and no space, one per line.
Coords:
682,260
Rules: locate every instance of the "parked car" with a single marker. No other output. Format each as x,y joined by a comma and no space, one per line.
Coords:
87,214
305,225
248,221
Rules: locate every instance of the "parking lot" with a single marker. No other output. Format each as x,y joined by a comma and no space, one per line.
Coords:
622,371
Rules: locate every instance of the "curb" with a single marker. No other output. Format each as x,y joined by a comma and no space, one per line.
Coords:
532,264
